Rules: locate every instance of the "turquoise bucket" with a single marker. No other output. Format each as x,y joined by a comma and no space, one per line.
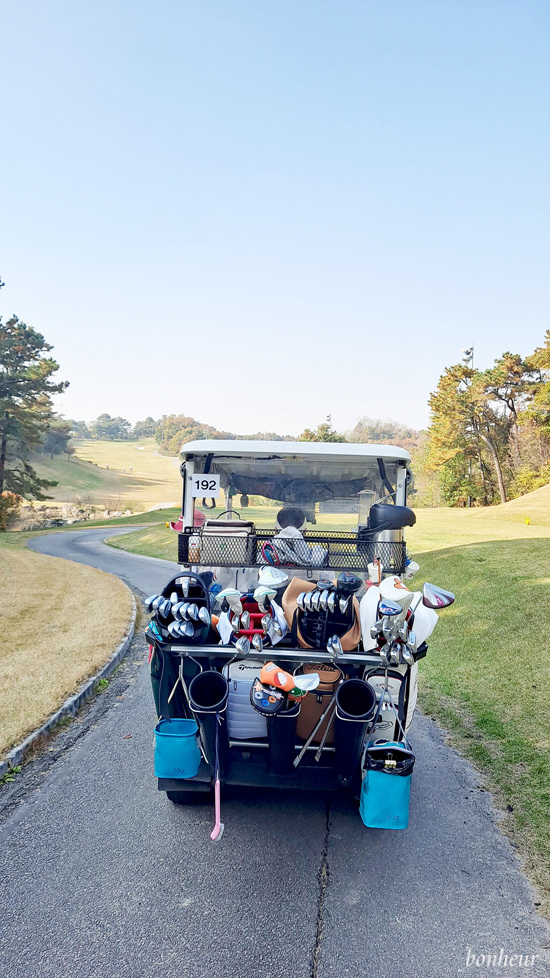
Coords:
385,790
177,753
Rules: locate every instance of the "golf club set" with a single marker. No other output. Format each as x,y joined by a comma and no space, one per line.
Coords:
328,612
181,613
255,618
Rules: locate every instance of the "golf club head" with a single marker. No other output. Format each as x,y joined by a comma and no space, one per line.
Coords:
395,655
336,646
331,602
387,629
173,628
389,608
242,645
193,612
407,655
236,624
325,585
384,654
156,601
174,598
403,632
412,641
323,600
265,622
277,628
343,604
436,598
245,621
307,601
257,642
348,583
183,583
315,599
184,610
300,601
164,608
188,629
149,601
204,616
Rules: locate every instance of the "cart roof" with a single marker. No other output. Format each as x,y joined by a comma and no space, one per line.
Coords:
298,471
295,450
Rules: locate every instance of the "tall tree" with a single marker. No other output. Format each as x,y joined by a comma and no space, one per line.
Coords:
464,429
323,432
26,387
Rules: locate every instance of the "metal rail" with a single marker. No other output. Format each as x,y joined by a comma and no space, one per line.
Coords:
276,652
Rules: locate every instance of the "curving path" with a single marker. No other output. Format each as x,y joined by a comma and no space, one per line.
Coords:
104,877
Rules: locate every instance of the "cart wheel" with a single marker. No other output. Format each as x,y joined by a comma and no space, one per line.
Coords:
189,797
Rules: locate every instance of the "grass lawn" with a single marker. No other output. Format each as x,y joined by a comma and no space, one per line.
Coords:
60,623
100,471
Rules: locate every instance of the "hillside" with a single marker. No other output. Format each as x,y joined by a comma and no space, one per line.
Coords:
535,505
116,475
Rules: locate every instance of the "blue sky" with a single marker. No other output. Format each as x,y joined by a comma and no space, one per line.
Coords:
259,212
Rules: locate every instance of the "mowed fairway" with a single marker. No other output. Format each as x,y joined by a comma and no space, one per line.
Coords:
60,623
114,474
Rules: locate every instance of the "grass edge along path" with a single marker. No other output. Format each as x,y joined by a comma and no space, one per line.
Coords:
486,678
61,623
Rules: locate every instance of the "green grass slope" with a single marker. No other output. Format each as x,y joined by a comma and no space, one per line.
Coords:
100,471
534,505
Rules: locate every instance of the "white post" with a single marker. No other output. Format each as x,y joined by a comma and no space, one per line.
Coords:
401,486
188,505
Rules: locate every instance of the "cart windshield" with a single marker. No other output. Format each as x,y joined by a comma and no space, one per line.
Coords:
300,473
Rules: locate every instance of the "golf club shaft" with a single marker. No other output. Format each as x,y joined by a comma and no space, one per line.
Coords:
313,732
325,735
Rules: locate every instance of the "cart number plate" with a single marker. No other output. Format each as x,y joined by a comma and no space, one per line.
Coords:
205,485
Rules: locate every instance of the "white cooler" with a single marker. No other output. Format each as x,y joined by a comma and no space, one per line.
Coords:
243,722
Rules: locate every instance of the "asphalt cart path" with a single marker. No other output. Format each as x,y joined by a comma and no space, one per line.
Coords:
103,876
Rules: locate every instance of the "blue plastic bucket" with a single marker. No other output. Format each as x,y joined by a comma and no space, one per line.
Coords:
385,791
177,753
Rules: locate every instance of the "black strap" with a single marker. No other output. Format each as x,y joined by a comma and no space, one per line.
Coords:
385,481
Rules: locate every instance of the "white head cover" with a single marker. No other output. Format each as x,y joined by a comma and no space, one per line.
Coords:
393,589
272,577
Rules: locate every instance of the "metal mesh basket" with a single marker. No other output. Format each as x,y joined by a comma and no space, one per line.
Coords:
317,550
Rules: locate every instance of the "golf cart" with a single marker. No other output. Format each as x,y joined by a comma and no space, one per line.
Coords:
287,656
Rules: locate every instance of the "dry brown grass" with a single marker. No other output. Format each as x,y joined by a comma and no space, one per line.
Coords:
60,623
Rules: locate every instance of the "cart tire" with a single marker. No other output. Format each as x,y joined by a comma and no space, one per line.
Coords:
188,797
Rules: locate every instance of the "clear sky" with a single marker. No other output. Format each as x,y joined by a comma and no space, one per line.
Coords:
259,212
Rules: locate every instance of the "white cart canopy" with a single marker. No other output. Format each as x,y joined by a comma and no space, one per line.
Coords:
298,471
